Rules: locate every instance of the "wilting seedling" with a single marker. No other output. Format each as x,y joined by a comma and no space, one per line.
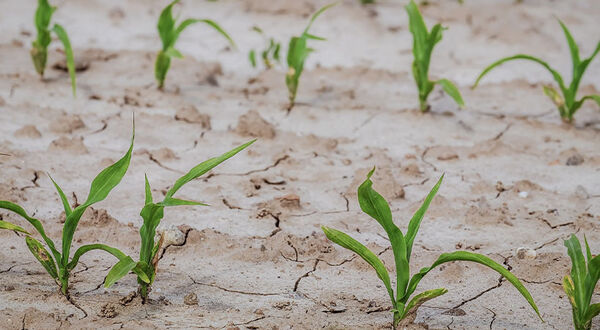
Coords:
59,264
298,51
579,286
152,213
423,43
169,33
373,204
39,49
269,54
567,103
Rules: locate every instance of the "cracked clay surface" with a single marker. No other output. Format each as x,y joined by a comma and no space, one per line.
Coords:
516,177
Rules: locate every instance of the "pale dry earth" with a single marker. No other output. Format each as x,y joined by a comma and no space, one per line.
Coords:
256,258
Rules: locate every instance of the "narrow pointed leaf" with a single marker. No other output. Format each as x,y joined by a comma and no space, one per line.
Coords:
122,268
13,227
63,198
572,45
42,255
578,269
64,38
204,167
480,259
208,22
451,90
373,204
422,298
101,186
555,74
178,202
415,221
350,243
148,191
317,14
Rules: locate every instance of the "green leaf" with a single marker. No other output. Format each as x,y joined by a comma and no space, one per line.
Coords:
555,74
101,186
34,222
314,37
204,167
148,191
451,90
572,46
578,269
63,198
122,268
172,52
420,299
43,15
595,98
90,247
415,221
178,202
13,227
350,243
317,14
64,38
480,259
166,26
210,23
252,58
592,312
42,255
373,204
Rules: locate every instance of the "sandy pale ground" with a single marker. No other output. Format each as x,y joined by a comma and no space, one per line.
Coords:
256,258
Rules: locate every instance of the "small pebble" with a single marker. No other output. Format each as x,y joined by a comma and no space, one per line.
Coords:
190,299
526,253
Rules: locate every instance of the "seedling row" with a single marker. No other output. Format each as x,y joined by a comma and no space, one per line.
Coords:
59,260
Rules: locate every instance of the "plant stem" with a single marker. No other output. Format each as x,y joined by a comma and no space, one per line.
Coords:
143,290
396,320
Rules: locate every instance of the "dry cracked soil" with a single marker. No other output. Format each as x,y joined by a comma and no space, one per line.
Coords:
516,176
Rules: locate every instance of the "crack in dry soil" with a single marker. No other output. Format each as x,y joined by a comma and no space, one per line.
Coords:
234,290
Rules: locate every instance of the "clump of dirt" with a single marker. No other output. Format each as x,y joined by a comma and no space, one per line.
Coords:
252,124
190,114
72,145
66,124
28,131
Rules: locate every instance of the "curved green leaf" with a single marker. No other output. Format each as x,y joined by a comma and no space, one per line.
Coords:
204,167
64,38
317,14
166,26
351,244
13,227
480,259
122,268
420,299
210,23
451,90
87,248
415,221
555,74
42,255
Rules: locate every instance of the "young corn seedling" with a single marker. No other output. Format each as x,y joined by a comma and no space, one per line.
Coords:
567,104
403,307
579,286
59,264
169,33
269,54
298,51
39,49
423,43
152,213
